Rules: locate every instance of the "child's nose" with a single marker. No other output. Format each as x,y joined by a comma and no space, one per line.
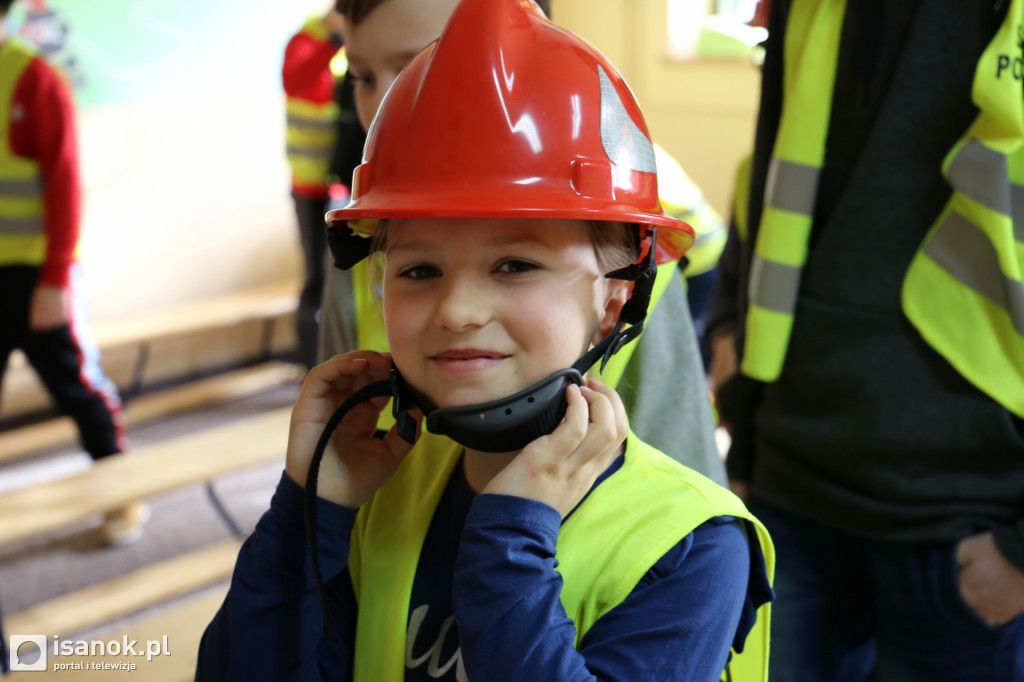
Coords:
463,304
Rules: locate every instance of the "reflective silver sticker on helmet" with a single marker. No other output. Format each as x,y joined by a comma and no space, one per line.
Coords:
623,141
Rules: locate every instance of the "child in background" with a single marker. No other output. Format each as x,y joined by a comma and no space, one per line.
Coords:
515,238
43,308
312,117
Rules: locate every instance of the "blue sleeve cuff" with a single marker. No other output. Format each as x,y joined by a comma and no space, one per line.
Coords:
289,503
507,512
286,523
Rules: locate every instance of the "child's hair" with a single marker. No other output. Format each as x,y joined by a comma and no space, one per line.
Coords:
615,244
5,6
355,11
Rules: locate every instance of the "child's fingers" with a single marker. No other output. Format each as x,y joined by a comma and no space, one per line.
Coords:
343,368
573,429
331,382
618,408
601,428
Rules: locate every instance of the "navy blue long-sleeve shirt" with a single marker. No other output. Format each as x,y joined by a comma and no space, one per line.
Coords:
488,564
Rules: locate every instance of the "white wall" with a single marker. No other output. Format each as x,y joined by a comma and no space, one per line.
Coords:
184,200
185,183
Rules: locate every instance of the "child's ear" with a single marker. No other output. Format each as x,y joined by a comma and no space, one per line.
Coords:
618,292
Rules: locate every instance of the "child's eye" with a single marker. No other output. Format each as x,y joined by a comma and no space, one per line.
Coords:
419,272
513,266
363,80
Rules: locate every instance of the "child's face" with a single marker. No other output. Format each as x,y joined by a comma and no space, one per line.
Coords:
387,39
478,309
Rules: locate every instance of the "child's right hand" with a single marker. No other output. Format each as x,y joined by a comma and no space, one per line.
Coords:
356,464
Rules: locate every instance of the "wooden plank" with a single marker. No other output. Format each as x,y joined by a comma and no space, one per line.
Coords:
194,395
115,481
129,593
183,626
222,311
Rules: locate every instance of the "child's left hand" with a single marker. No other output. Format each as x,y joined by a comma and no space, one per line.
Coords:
559,469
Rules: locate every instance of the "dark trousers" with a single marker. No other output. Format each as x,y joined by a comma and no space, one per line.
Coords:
848,609
313,235
66,361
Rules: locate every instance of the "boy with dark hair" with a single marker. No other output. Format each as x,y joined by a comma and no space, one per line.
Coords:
312,118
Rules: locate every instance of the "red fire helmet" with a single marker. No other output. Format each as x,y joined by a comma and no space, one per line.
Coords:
508,115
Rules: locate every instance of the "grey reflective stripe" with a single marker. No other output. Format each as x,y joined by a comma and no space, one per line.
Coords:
1017,211
791,186
303,151
981,174
966,253
23,189
21,225
624,143
315,124
701,238
773,285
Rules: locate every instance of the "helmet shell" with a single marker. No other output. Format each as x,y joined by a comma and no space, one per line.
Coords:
508,115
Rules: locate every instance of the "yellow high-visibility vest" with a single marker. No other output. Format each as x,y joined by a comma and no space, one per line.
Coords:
603,550
963,290
811,52
22,235
312,126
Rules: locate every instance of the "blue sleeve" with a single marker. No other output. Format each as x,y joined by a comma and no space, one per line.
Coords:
270,626
677,625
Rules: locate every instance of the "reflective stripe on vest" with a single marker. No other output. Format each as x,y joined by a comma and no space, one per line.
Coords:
964,290
22,237
310,134
602,553
811,50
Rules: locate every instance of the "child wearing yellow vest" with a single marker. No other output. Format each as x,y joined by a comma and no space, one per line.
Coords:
509,526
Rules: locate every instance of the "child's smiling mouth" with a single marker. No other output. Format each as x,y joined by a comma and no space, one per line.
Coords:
464,360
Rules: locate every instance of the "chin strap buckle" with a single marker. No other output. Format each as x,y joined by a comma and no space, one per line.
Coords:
402,400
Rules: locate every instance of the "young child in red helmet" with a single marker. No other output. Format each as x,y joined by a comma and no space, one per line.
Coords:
381,37
525,533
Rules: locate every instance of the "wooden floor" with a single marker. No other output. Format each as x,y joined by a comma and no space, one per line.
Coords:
208,451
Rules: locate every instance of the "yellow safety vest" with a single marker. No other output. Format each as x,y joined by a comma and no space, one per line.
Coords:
681,198
312,126
22,235
603,550
811,51
963,290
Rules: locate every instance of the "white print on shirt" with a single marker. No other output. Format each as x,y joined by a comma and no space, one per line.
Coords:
434,652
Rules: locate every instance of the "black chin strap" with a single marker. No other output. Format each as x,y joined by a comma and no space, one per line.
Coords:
634,310
502,425
374,390
346,246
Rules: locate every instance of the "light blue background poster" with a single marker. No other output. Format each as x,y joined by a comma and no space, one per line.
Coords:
130,51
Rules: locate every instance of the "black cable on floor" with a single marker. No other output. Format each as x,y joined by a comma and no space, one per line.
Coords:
223,512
